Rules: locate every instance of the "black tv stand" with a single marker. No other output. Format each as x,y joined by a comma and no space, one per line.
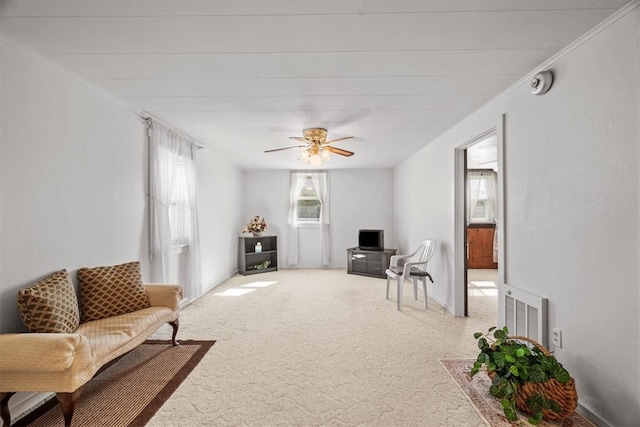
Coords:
369,263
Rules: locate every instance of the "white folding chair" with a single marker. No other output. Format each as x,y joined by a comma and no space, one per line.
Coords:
416,270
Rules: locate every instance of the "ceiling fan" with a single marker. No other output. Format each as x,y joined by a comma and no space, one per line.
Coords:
316,148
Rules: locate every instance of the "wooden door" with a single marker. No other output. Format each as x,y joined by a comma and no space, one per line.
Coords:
480,246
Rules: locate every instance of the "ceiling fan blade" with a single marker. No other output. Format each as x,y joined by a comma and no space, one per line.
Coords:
299,138
336,140
284,148
338,151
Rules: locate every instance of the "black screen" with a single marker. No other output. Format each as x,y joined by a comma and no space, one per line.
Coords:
371,240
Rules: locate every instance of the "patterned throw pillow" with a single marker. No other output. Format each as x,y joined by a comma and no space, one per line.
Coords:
50,305
111,291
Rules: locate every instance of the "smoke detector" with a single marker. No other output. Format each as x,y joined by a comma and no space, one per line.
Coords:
541,82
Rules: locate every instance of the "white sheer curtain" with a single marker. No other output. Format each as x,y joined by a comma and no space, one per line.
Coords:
474,180
168,153
491,186
295,187
320,183
165,159
194,278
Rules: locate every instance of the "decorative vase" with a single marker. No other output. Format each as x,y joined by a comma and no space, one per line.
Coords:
256,233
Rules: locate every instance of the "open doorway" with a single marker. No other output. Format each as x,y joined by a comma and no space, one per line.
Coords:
479,250
481,202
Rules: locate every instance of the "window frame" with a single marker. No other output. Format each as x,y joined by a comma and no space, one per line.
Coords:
487,219
179,218
300,197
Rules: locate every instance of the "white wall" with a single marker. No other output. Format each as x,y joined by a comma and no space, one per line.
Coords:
572,211
266,193
73,174
73,171
359,199
219,212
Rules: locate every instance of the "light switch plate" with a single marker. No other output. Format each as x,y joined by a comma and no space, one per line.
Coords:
556,337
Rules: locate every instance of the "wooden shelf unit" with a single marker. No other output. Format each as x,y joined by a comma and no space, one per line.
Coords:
248,257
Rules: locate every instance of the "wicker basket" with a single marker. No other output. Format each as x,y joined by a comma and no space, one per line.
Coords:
564,394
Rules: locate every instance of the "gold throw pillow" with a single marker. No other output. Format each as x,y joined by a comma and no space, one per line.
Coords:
50,305
111,291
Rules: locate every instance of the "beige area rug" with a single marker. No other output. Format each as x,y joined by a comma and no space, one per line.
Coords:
323,348
129,391
476,389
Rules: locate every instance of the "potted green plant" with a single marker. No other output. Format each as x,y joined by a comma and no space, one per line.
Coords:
526,377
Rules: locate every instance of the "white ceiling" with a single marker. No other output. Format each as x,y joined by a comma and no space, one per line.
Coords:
242,76
483,154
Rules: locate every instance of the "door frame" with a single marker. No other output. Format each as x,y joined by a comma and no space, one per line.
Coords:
460,226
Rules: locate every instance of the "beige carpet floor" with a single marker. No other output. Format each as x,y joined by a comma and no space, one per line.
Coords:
323,348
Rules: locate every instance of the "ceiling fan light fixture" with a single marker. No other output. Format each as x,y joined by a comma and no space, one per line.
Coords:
304,156
317,135
315,160
325,155
316,149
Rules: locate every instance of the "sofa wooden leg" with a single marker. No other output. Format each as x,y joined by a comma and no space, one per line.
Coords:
4,408
175,325
68,404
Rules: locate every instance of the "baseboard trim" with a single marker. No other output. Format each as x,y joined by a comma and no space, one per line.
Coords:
22,404
591,416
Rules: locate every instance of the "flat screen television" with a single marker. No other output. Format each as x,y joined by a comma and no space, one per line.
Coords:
371,240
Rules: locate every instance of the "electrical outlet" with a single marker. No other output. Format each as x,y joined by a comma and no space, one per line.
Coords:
556,337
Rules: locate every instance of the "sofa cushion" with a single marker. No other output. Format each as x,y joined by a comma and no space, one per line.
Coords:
50,305
111,291
112,336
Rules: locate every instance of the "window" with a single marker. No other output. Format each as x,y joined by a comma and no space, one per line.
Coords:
482,213
173,220
307,203
480,205
179,215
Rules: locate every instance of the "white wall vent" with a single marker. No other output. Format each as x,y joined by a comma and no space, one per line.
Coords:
525,314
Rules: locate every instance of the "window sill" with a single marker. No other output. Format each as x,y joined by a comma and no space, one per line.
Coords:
307,224
482,225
